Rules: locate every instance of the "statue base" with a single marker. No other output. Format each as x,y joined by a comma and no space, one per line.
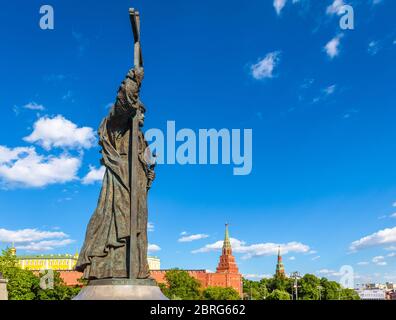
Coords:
121,289
3,289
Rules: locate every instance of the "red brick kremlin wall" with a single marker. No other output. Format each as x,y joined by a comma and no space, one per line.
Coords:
226,275
233,280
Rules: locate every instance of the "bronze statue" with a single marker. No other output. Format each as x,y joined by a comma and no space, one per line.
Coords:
115,245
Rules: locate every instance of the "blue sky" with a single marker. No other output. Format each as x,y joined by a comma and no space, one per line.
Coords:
320,101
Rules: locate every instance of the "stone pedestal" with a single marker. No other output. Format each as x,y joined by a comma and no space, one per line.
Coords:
121,289
3,289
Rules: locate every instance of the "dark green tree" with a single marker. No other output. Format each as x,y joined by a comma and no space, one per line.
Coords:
22,284
349,294
180,285
309,287
330,289
59,291
279,295
254,290
220,293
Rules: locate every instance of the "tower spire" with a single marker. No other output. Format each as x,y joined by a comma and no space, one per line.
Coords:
13,249
227,244
280,269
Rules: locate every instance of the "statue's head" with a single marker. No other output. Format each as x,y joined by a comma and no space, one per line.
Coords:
130,87
142,110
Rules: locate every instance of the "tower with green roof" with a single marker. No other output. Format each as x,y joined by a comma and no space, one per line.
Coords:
280,269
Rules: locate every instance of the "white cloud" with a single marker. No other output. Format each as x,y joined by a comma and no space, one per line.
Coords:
193,237
292,258
257,276
328,272
393,215
335,7
315,258
378,259
183,233
382,237
362,263
35,240
377,2
373,48
330,89
28,235
153,248
150,227
60,132
45,245
24,167
94,175
34,106
256,250
391,255
279,5
264,68
332,47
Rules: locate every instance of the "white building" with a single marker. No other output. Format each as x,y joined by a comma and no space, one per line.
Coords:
374,294
154,263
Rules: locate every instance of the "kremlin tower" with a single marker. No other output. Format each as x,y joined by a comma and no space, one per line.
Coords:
227,262
280,269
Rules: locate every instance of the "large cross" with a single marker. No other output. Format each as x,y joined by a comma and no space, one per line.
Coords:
133,156
135,21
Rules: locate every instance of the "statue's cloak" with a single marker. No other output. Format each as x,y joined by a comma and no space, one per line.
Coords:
105,253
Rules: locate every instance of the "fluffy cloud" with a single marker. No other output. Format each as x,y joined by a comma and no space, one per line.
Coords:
193,237
256,250
94,175
35,240
382,237
379,261
362,263
45,245
28,235
60,132
332,47
264,68
335,7
24,167
153,248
